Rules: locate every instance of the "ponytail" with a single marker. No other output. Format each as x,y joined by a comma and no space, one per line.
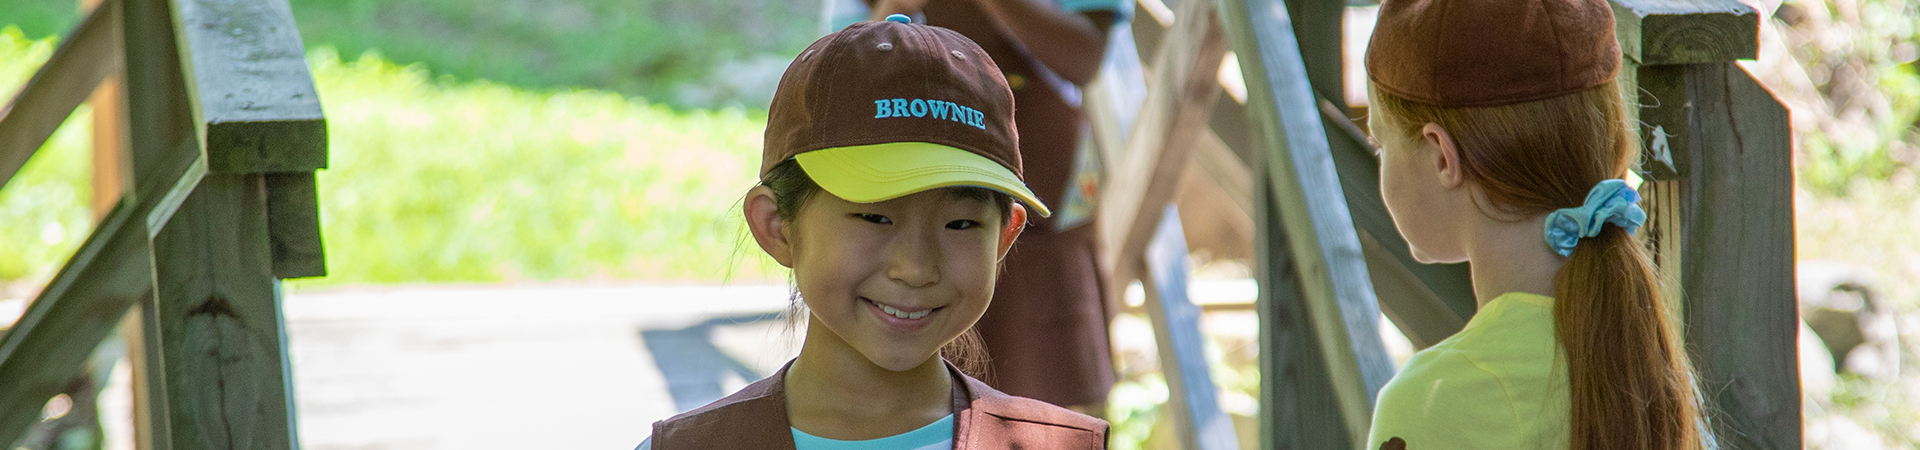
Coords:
1628,379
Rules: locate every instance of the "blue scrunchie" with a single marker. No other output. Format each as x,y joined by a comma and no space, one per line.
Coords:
1611,201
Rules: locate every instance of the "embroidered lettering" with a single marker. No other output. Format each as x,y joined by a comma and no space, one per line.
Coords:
939,108
919,107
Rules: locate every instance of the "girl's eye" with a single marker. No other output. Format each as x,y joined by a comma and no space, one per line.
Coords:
962,225
874,218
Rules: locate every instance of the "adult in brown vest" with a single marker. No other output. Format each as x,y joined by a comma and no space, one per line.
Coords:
889,183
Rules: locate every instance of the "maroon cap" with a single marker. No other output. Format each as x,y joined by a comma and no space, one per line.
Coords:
845,89
1476,53
884,109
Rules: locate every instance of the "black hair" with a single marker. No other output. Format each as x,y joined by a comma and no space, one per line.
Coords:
792,189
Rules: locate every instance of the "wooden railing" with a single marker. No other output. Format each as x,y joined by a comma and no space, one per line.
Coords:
1300,174
224,131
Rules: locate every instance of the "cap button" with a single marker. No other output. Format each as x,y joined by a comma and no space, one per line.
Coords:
901,18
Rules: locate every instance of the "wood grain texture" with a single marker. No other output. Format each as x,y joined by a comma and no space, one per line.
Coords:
1195,399
1181,88
1317,227
1657,32
221,335
1298,406
69,76
293,225
254,105
1738,273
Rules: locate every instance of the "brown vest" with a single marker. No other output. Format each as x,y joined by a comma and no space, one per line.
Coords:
756,418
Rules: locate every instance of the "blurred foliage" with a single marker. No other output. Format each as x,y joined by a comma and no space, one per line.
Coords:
440,180
673,51
43,210
1861,120
445,181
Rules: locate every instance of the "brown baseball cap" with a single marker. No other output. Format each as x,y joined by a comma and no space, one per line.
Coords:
880,110
1476,53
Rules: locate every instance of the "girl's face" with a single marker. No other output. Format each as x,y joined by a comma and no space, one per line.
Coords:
896,280
1419,182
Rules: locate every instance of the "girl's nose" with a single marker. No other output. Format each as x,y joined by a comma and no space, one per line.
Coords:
914,260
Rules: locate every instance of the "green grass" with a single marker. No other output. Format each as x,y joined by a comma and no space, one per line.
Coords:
439,181
651,48
434,180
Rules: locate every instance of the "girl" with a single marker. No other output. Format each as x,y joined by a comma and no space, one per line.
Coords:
888,185
1503,142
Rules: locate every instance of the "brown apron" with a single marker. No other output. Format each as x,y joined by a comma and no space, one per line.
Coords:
984,419
1046,332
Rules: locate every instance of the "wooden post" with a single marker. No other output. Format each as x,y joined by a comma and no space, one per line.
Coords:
1193,398
1180,91
109,101
1315,290
221,338
1718,155
1736,213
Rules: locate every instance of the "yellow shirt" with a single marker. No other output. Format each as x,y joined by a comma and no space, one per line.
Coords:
1500,383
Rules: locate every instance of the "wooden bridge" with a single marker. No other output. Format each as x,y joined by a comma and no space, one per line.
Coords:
209,110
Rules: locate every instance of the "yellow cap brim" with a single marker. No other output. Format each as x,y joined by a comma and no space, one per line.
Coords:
880,172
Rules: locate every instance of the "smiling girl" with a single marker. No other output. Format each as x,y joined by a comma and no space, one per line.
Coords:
890,184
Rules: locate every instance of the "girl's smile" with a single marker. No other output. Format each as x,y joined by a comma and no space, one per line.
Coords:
905,319
894,281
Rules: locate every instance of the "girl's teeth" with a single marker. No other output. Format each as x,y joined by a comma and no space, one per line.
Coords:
903,314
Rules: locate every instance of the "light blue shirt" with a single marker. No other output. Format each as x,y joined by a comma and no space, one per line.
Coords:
935,436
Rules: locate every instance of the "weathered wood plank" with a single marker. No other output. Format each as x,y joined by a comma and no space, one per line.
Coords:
1298,406
1318,24
221,335
256,109
293,225
1332,279
82,60
1198,419
1657,32
48,347
1738,273
1180,91
111,271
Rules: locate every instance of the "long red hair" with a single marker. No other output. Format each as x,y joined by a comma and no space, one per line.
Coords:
1630,382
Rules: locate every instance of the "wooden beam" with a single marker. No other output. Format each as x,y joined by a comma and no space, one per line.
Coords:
83,59
293,225
1657,32
1180,91
255,106
1198,420
1329,271
1299,408
1738,273
222,338
111,271
1216,201
1320,23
